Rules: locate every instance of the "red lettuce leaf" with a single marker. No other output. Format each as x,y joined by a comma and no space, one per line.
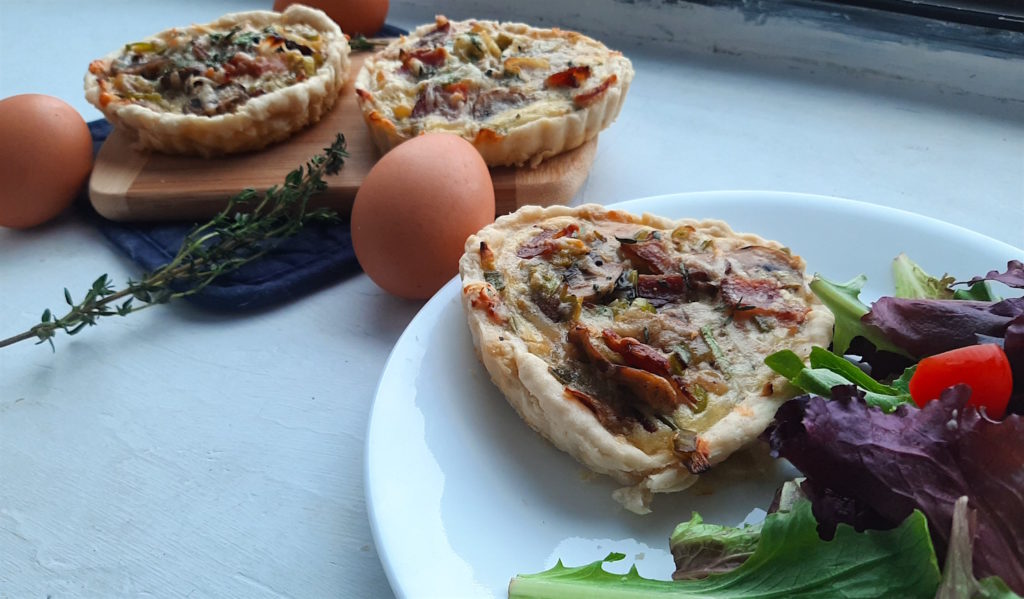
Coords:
871,469
1013,345
924,327
1014,275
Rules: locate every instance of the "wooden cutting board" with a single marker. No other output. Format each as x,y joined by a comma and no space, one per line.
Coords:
131,185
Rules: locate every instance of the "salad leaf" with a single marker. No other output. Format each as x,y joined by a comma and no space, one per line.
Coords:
1013,345
843,300
902,384
790,561
700,549
911,281
981,292
958,581
822,358
927,327
893,464
1013,277
827,370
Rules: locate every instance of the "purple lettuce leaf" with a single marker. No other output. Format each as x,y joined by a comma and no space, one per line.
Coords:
1013,277
872,469
925,327
1013,345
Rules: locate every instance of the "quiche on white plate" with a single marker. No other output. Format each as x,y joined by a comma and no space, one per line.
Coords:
240,83
520,94
637,343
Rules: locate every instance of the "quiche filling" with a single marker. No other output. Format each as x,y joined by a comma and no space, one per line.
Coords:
213,71
493,77
658,333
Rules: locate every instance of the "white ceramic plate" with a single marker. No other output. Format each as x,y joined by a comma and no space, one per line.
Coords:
462,495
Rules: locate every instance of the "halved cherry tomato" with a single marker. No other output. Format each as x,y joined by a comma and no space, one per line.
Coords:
984,368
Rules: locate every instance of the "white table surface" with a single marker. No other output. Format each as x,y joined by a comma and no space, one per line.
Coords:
183,453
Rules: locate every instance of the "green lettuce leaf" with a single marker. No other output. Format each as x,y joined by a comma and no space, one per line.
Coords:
843,300
980,292
828,370
700,549
912,282
790,561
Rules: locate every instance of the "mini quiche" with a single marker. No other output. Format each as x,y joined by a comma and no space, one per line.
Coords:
518,93
637,343
239,83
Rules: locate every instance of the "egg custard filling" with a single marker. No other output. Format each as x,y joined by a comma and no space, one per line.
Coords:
238,83
637,344
519,93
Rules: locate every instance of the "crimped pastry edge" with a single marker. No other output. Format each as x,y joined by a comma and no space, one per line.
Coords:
530,143
574,429
261,121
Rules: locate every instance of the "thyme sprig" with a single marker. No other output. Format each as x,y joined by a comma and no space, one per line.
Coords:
251,225
361,43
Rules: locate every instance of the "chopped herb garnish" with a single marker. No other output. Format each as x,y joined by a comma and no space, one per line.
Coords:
720,360
679,359
701,395
495,279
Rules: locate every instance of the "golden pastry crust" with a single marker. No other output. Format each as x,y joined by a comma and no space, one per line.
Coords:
636,343
240,83
520,94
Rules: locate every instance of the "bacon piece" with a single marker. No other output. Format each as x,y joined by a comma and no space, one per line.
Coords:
587,98
242,64
447,100
571,77
483,301
758,297
662,289
649,255
544,243
486,256
433,57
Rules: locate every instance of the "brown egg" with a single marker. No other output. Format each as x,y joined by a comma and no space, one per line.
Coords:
416,208
45,158
353,16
